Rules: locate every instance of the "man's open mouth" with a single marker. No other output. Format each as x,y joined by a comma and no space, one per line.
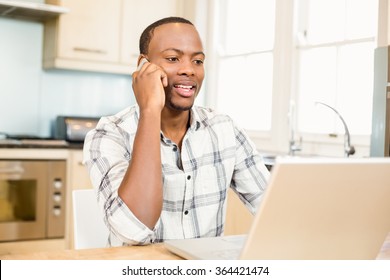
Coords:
185,90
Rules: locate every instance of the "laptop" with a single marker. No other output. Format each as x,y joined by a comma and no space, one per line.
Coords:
313,208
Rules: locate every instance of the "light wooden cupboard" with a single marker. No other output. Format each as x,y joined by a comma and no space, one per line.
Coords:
138,15
238,218
78,178
101,35
78,173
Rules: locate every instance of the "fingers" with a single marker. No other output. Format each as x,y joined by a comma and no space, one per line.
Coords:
146,67
164,79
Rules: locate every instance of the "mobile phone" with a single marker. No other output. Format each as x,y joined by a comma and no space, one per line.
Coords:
141,63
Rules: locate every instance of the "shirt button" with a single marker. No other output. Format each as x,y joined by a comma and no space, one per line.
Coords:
174,149
188,177
186,212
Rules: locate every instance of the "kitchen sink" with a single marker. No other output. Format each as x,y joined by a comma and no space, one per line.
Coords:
270,159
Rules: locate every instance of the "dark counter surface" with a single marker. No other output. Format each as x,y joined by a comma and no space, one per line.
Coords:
39,144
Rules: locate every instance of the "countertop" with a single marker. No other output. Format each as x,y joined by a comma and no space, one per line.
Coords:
38,144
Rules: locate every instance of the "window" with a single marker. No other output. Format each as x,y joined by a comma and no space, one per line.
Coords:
335,54
273,60
245,61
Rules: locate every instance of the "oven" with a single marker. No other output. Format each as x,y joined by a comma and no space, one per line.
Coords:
32,199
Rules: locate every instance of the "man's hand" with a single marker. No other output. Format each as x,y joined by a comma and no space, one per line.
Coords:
148,86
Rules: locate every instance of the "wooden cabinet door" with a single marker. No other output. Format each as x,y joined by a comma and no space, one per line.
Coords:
90,31
79,177
238,217
137,15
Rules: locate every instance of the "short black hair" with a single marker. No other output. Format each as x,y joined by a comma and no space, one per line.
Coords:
147,34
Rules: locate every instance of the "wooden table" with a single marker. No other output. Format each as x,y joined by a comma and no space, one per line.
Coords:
149,252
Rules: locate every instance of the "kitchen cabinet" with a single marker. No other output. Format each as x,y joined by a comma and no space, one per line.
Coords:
238,217
78,173
100,35
137,16
30,10
78,178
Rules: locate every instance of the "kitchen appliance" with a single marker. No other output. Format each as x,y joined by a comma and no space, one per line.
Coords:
380,135
74,129
32,199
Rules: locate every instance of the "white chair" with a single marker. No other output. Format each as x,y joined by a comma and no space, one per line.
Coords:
90,230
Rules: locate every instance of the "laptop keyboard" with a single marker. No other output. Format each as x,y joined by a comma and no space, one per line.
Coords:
235,239
231,254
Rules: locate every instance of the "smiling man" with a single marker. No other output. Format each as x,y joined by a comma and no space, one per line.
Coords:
162,168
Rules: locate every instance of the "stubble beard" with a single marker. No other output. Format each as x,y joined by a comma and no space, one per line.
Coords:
174,106
177,107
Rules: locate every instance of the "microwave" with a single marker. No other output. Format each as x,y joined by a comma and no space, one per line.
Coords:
74,129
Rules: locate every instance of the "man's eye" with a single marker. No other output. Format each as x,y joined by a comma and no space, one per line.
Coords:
198,61
172,59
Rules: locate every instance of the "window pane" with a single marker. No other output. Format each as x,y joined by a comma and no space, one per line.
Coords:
340,75
317,82
361,18
342,78
249,26
245,90
326,21
355,86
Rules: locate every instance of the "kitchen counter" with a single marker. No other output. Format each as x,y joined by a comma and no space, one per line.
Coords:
29,153
38,144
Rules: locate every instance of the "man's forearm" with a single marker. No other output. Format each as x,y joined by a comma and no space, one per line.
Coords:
141,188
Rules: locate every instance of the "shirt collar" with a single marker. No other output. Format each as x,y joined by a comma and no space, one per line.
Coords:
195,120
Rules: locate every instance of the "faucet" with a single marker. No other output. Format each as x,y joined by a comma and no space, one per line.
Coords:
348,148
293,146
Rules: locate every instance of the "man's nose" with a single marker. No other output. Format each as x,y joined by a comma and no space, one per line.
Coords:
186,68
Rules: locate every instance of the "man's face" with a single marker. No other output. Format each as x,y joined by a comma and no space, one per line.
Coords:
178,50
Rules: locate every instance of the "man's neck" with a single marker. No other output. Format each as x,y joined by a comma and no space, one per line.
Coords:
175,124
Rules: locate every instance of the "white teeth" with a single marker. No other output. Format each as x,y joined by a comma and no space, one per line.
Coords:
185,87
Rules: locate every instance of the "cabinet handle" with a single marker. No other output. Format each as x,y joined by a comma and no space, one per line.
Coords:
78,49
12,170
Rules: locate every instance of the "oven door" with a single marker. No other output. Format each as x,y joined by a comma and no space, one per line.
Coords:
23,199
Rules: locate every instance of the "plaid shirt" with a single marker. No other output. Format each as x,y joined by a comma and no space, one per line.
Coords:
215,155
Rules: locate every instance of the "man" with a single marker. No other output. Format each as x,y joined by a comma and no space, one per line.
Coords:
162,168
